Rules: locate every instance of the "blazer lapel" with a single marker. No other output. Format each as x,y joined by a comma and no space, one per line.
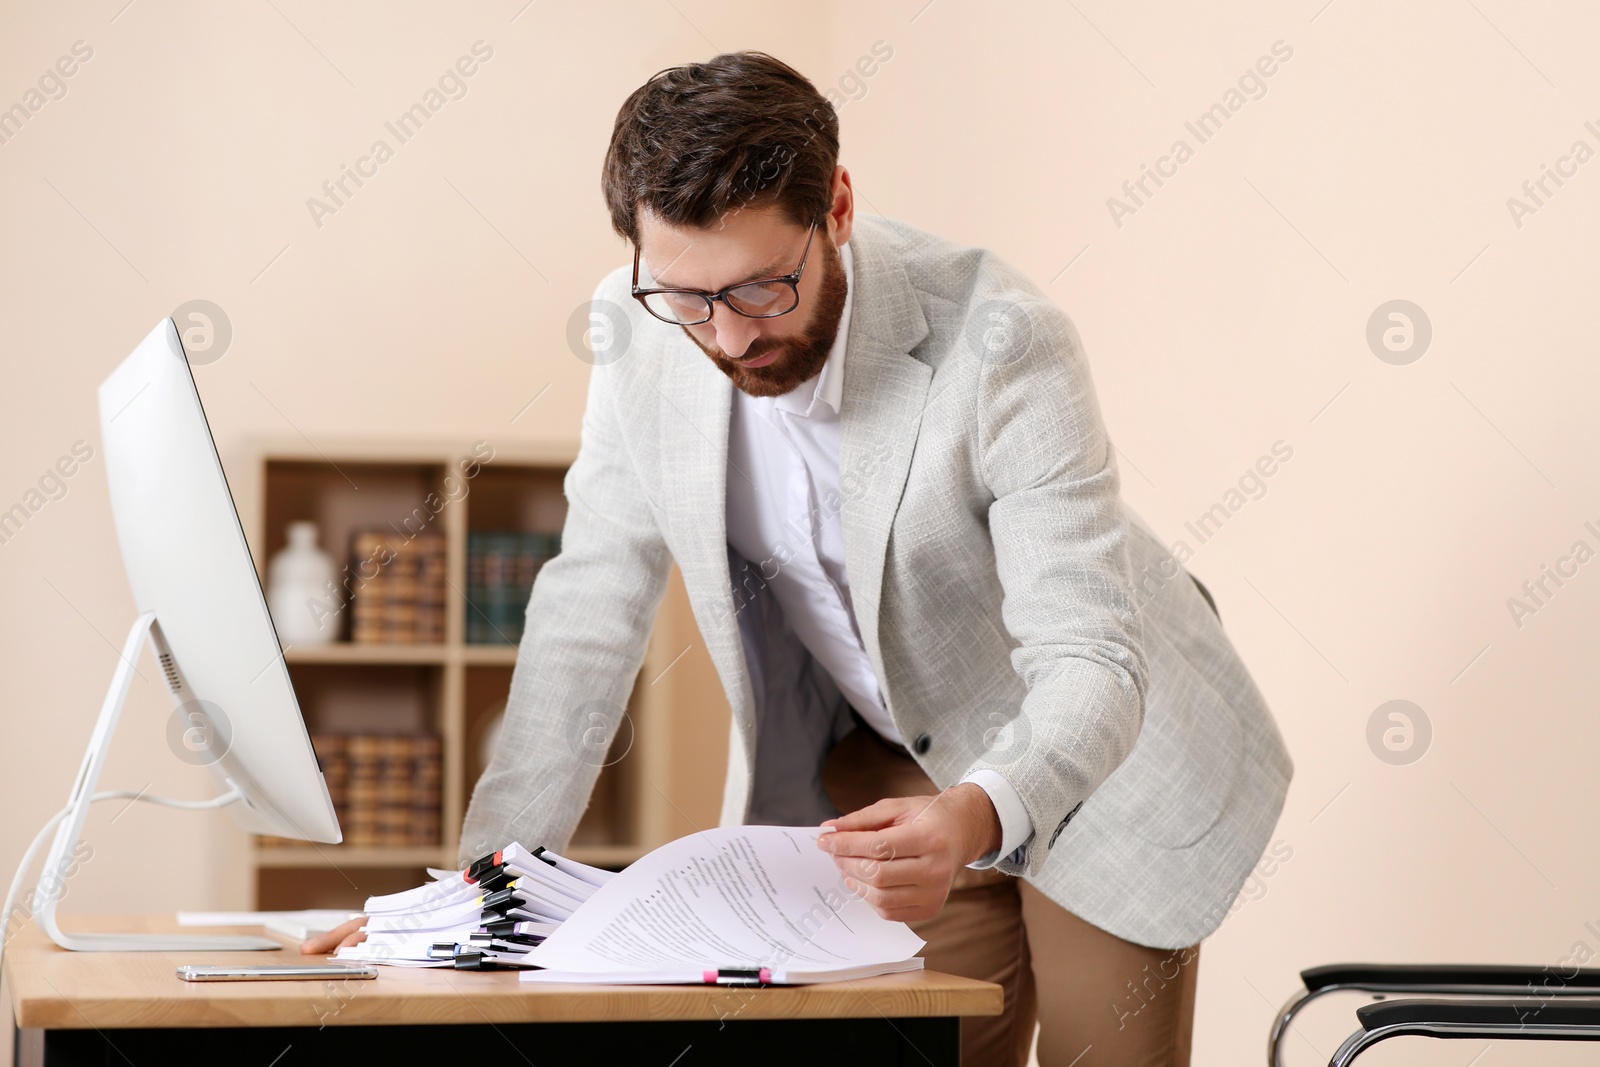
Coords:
880,414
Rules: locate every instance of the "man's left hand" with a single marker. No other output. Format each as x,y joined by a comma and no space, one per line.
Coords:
901,854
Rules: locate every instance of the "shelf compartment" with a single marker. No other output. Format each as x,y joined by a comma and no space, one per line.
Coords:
379,734
376,696
514,518
403,501
509,496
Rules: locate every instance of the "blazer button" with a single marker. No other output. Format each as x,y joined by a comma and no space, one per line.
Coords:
1063,825
922,744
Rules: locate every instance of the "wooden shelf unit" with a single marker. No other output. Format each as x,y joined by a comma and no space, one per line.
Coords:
676,720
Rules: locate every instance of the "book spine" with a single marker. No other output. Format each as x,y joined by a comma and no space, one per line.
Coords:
477,630
426,796
400,598
430,590
365,775
396,757
368,553
493,583
508,624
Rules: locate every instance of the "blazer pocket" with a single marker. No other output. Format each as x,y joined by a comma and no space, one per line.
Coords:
1173,786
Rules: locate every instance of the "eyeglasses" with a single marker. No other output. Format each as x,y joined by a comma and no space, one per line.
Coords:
756,300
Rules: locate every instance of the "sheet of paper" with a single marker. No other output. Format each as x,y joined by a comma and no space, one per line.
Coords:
518,856
735,896
429,895
463,911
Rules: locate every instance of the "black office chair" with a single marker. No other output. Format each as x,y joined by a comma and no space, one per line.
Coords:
1506,1002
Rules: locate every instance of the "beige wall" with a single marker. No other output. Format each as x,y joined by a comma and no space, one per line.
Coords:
1225,314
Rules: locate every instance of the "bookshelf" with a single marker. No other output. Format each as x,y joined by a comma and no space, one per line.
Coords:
677,716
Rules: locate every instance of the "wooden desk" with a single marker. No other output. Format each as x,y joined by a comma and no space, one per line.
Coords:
85,1007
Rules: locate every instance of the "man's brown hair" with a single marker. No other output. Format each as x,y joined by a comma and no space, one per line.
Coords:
699,141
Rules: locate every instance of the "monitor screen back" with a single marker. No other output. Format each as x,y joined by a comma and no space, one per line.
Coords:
187,560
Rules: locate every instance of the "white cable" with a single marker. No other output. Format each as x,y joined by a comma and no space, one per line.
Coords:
43,835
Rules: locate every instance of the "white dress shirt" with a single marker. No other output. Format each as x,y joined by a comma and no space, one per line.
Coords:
783,517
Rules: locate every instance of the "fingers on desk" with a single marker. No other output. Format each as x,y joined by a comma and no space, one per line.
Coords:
348,933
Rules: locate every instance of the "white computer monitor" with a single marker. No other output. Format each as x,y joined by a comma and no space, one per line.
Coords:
202,609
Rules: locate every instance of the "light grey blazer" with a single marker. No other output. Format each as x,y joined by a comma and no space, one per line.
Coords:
1017,614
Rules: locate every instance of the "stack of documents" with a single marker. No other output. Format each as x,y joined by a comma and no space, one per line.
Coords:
489,915
738,905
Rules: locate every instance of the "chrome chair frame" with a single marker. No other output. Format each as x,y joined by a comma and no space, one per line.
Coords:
1577,1018
1517,984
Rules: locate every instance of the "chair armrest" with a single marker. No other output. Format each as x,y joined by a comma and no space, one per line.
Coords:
1521,1019
1572,1012
1434,975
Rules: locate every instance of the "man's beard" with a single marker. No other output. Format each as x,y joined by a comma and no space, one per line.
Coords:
803,355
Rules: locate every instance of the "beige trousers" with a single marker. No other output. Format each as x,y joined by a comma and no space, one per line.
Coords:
1100,1000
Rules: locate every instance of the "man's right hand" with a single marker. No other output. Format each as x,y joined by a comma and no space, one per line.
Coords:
323,944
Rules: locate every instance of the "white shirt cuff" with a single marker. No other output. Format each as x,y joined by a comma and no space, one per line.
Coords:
1016,826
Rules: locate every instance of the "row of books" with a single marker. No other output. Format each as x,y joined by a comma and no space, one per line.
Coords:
501,567
386,788
399,585
399,588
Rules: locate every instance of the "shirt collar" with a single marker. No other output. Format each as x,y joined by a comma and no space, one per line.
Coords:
827,387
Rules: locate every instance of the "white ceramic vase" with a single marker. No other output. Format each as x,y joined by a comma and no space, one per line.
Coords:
298,580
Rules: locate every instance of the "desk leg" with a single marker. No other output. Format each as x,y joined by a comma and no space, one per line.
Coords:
924,1042
27,1048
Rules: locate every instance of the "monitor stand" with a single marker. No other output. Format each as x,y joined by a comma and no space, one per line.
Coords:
61,856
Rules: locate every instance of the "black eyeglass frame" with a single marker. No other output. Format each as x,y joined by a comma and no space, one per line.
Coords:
792,280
